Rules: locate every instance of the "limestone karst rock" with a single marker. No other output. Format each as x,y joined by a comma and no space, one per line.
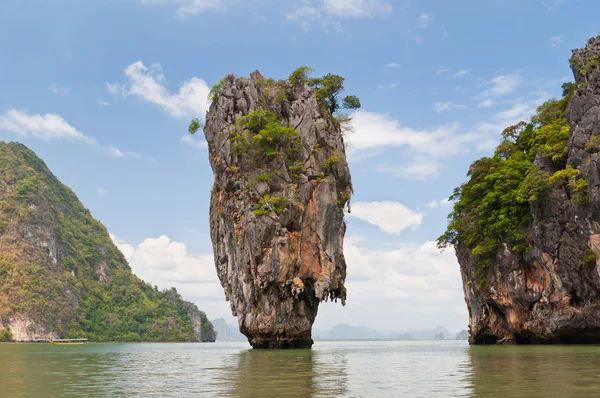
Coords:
277,206
61,274
551,292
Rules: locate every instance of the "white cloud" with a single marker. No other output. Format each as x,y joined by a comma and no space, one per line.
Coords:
440,107
442,70
147,84
324,10
433,204
390,217
62,91
167,263
189,7
417,168
445,203
424,20
555,41
117,153
375,130
103,103
460,73
47,127
501,85
357,8
419,284
553,5
418,40
392,65
486,103
189,140
101,191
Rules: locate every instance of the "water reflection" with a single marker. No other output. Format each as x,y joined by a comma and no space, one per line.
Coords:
290,373
535,371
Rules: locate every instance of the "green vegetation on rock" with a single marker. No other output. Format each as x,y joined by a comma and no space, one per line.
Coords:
60,270
493,207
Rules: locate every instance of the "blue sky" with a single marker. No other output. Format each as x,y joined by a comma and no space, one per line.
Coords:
103,91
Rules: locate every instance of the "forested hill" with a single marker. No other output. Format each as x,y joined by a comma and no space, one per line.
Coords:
62,276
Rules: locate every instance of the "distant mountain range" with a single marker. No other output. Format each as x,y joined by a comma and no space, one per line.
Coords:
341,331
227,332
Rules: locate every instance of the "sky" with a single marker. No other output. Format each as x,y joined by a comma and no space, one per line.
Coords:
103,92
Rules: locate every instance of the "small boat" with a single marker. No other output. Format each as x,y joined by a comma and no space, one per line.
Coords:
68,341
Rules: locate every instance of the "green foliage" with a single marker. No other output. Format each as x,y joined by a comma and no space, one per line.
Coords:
257,120
535,186
329,88
589,65
593,145
493,206
351,102
269,138
268,204
195,125
85,290
215,91
300,75
6,335
330,164
576,185
295,169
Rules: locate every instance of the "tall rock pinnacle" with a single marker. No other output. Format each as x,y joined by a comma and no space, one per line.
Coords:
277,205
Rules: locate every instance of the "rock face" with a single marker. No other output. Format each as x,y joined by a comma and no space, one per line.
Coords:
276,213
551,294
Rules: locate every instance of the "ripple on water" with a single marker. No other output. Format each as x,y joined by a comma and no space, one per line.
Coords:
331,369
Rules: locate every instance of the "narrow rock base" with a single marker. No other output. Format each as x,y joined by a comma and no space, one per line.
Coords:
270,344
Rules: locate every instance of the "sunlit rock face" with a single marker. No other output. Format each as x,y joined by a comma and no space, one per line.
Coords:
551,294
277,206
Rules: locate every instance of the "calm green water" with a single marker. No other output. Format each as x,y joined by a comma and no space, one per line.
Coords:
331,369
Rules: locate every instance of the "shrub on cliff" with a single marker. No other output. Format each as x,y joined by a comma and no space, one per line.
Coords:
493,207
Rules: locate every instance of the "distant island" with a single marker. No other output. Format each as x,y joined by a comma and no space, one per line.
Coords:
343,331
63,277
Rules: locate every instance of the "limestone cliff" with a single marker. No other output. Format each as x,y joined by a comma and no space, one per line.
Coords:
276,213
61,275
543,287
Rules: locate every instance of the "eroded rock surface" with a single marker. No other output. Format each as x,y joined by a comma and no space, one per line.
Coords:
551,294
276,213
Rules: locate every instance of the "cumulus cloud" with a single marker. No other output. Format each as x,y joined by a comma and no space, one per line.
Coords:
440,107
424,20
147,84
164,262
47,127
187,8
419,286
391,217
417,168
189,140
497,87
376,130
324,10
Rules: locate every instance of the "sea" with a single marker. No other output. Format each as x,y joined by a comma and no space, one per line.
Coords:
330,369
